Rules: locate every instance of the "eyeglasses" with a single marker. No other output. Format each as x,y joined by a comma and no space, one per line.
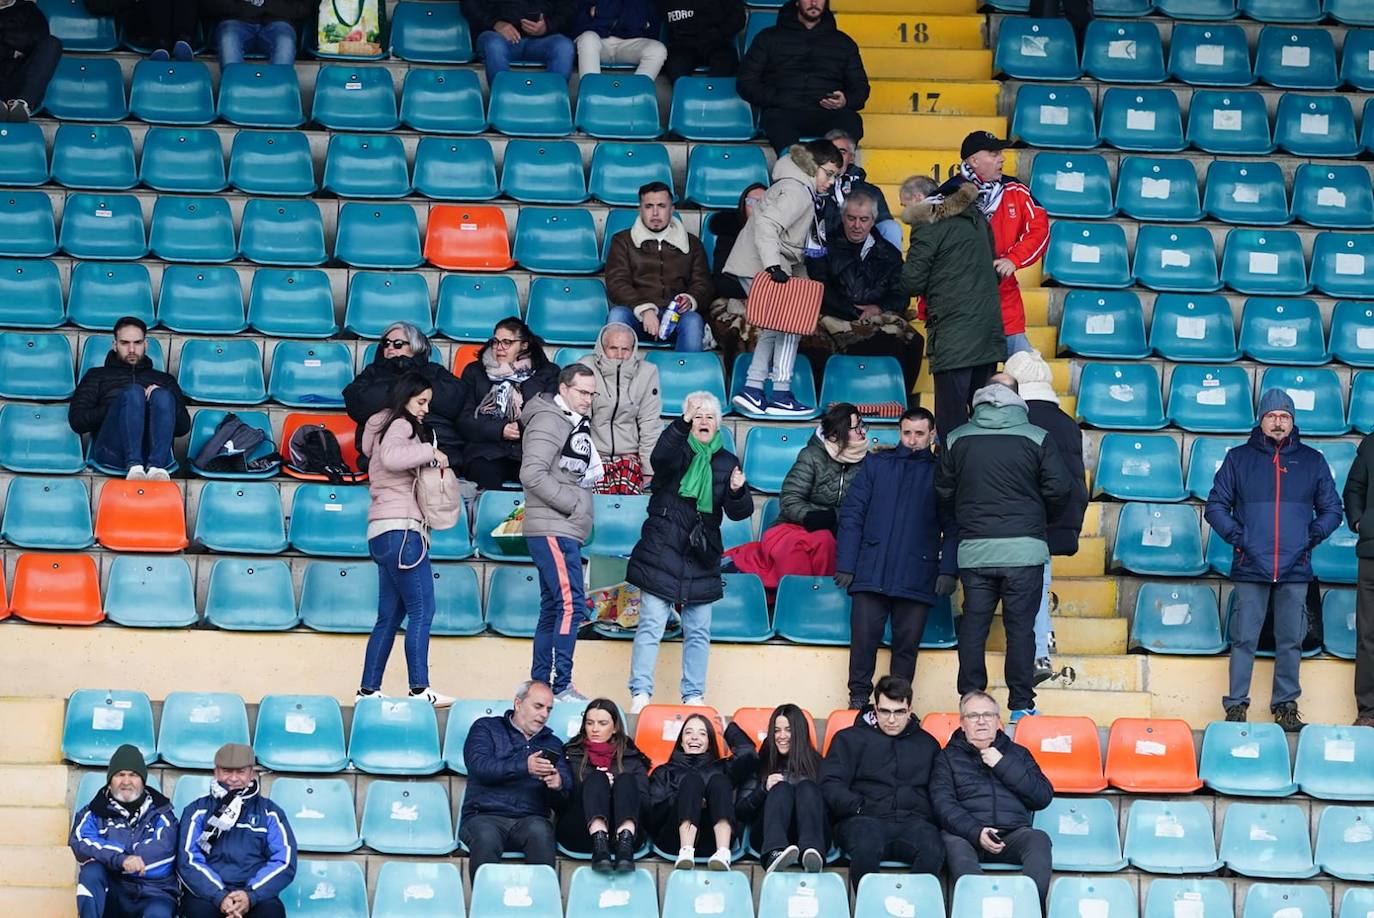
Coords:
394,343
859,426
830,172
589,393
980,715
891,713
505,342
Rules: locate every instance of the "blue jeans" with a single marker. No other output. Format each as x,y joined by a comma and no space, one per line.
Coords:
690,334
553,51
405,589
1043,624
696,645
103,893
1017,343
234,38
562,608
1290,627
137,430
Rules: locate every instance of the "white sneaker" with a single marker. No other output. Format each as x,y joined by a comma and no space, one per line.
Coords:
361,696
136,473
696,701
156,474
570,694
686,858
720,860
435,698
639,702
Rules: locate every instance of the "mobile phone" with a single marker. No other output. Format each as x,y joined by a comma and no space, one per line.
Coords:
995,835
548,756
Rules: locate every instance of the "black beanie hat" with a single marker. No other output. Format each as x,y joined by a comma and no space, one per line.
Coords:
126,758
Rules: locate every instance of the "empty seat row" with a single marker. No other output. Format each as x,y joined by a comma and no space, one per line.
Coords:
1349,12
132,516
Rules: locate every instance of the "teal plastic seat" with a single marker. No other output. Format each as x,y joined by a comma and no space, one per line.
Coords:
1140,467
769,454
408,817
378,236
366,166
1246,760
260,95
543,172
620,169
1170,836
1163,540
567,310
497,888
1333,561
1281,11
1190,327
1350,12
1316,394
353,98
378,300
758,21
96,156
104,227
1108,897
1344,845
530,104
188,789
1203,898
718,173
1176,618
101,293
461,716
272,163
35,367
513,600
195,724
99,721
394,736
94,781
455,169
1061,117
908,893
1361,408
301,733
1211,399
617,106
1073,185
632,895
1339,263
457,594
339,597
781,891
443,101
282,232
1013,896
430,33
470,305
1338,622
1148,120
329,519
1356,67
1333,196
620,516
863,381
326,889
1083,834
52,513
227,371
696,892
682,373
150,591
320,810
1334,763
172,92
418,889
187,160
27,227
1283,331
741,614
1179,258
309,374
1037,49
1266,900
1296,58
1158,189
1229,122
1088,254
1267,840
811,610
492,508
37,439
199,230
556,241
86,89
1210,55
23,155
291,303
1316,125
1123,52
203,424
1120,396
77,28
241,517
1249,193
710,108
1339,456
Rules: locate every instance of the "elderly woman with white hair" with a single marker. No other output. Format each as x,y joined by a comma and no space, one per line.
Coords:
677,559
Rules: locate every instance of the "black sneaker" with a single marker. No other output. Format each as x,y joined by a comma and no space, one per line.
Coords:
857,703
601,852
1286,716
1044,670
1236,713
780,859
625,851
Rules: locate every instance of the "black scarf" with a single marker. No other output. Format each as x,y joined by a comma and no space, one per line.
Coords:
228,807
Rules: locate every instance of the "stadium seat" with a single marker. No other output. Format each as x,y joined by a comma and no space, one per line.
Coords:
1083,834
37,439
566,310
1338,620
172,92
1193,328
543,172
56,590
1283,331
1171,836
1107,897
1158,189
1151,756
1357,69
394,736
1361,406
140,516
499,888
343,428
195,724
1316,394
1159,539
1339,456
30,294
758,21
1339,264
105,227
430,33
1267,840
150,592
86,89
1087,254
941,725
1123,52
1211,399
353,98
863,381
1067,751
260,95
1120,396
301,733
824,892
1349,12
457,594
658,727
469,306
1148,120
443,101
101,293
366,166
770,452
271,163
291,303
709,108
455,169
23,155
513,600
1199,897
241,518
622,516
811,610
408,817
378,236
321,810
718,173
339,597
1296,58
468,238
556,241
27,228
282,233
461,716
803,384
492,508
410,889
326,889
1333,196
1176,618
1140,468
1246,760
881,894
1333,762
681,373
1036,49
620,169
1281,10
52,513
188,160
1055,116
1229,122
1316,125
197,230
1181,258
1248,193
329,520
99,721
1343,848
834,723
1333,561
617,106
741,615
530,104
1073,185
203,425
633,894
77,28
1267,900
226,371
310,373
95,156
377,301
1209,55
978,895
35,367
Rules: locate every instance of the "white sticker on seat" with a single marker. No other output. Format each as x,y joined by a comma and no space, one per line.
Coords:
1073,824
1100,324
421,892
1155,189
1156,537
302,724
1339,750
803,906
998,907
1209,56
1314,124
1085,254
1174,613
1136,468
1122,49
1140,119
1174,258
1349,263
103,718
402,812
1035,45
1068,182
1214,397
1246,194
671,729
1149,747
1120,392
307,813
205,714
323,891
1303,399
898,907
1168,826
517,897
613,898
1264,263
1054,114
1245,751
1295,56
1364,338
1291,912
1260,833
1283,336
1190,328
1357,833
313,362
1060,744
333,508
712,903
1190,906
1330,196
1226,119
1093,908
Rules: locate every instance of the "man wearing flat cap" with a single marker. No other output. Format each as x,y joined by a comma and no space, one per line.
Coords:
236,852
125,840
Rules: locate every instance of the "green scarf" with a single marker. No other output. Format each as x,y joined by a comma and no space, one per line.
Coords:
697,480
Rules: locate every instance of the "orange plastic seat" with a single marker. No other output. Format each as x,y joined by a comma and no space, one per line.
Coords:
1067,751
57,590
839,720
940,725
343,428
463,355
141,516
1148,756
660,724
4,594
754,721
468,238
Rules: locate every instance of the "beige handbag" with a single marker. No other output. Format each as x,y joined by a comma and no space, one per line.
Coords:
438,495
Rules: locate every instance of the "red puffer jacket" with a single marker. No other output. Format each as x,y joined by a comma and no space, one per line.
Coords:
1021,230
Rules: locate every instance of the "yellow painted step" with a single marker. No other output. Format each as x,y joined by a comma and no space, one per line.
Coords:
36,865
1083,597
937,130
934,64
1059,368
48,902
913,7
1092,520
892,165
914,31
1190,688
1037,303
1045,338
932,97
33,730
33,785
34,825
1090,636
1091,560
1102,707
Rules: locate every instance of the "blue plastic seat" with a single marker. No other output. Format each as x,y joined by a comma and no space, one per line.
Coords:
226,371
1210,55
1246,760
1265,262
339,597
1211,399
1361,406
1193,328
205,300
353,98
1158,189
1251,193
393,736
880,894
758,21
195,724
717,173
1197,9
741,615
1122,7
782,890
1350,12
1317,396
1123,52
497,888
1204,459
301,733
105,227
172,92
803,384
23,155
77,28
291,303
1343,849
617,106
710,108
430,33
86,89
443,101
470,305
150,591
622,517
769,454
455,169
413,889
567,310
544,172
461,716
689,893
254,595
1107,897
1103,323
1170,836
492,508
1205,898
557,241
35,367
1162,540
1012,896
1083,834
1133,467
282,232
1281,11
101,293
272,163
321,810
310,374
260,95
1287,331
326,889
378,300
1334,762
1036,49
1333,561
620,169
193,229
530,104
1148,120
1339,264
1055,116
1318,125
241,517
52,513
811,610
513,601
681,373
457,594
408,817
329,520
1120,396
378,236
863,381
38,439
1181,258
1267,900
97,156
1296,58
1333,196
366,166
189,788
27,227
1176,619
1229,121
1267,840
1357,69
1339,456
632,895
187,160
1088,254
1073,185
99,721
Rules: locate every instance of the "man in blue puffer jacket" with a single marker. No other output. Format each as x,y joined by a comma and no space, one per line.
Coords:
1273,500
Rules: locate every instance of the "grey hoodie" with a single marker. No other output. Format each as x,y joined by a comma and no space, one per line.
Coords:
625,412
555,503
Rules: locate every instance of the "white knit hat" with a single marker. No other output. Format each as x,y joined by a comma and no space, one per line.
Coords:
1033,376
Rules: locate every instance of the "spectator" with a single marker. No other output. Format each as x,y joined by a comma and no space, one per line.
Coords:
404,349
168,27
875,780
985,790
802,541
401,443
610,787
949,265
237,852
625,422
1078,12
510,369
864,311
1034,383
785,229
854,178
726,225
28,57
677,558
1357,496
125,839
517,774
1001,479
702,33
1020,227
618,32
805,76
656,269
1273,500
692,795
258,27
559,470
782,801
895,553
524,31
133,410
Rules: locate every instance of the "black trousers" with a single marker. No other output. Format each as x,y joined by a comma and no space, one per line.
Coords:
793,814
491,474
169,21
204,908
27,77
1025,846
597,798
868,616
953,392
1078,12
869,841
785,126
721,61
1019,590
489,837
702,803
1364,638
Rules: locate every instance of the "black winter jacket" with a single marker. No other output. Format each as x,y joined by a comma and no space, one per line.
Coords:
370,392
791,66
753,794
292,11
483,15
852,279
1063,527
499,781
662,562
101,386
968,796
852,179
22,26
1359,496
701,25
481,437
665,780
868,773
634,765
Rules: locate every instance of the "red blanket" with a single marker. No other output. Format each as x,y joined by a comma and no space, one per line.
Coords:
786,549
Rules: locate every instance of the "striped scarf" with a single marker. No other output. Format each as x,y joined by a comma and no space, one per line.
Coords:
989,193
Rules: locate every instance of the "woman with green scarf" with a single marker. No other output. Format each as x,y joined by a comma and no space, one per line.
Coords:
677,559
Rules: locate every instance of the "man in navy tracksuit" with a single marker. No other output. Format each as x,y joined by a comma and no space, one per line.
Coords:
126,841
237,852
1273,500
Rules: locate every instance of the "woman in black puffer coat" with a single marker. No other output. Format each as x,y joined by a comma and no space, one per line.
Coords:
692,795
610,791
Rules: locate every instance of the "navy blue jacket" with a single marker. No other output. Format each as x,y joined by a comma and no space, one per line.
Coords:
891,538
968,796
617,18
257,856
102,833
1262,503
499,780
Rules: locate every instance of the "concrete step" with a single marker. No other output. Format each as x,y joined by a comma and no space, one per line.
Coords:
48,902
942,130
33,785
1089,562
1103,707
907,7
914,32
933,64
1100,636
1086,597
916,154
932,97
34,825
36,865
33,730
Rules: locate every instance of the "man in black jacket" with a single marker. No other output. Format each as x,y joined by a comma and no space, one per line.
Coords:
805,76
530,31
1358,496
985,789
133,410
28,56
875,780
853,179
701,33
257,27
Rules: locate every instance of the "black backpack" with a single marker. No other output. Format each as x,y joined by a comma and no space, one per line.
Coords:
229,447
314,450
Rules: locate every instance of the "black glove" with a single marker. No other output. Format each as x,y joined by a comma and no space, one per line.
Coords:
843,579
777,273
945,584
817,520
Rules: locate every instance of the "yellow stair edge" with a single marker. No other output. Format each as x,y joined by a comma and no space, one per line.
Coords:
30,825
945,130
33,785
907,7
33,730
39,901
1090,561
36,865
1102,707
932,97
1083,597
934,64
1097,636
914,33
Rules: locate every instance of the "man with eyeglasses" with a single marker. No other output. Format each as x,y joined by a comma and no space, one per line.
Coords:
985,790
875,781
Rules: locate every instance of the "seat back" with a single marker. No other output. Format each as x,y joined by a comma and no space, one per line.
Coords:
811,610
260,95
461,716
77,28
1264,261
393,736
1171,836
1010,896
1296,58
782,891
1142,119
94,156
1037,49
700,892
1158,189
1339,264
272,163
741,614
718,174
1283,331
38,439
617,106
300,733
353,98
1067,751
1338,622
193,229
172,92
709,108
338,597
1265,900
1196,896
103,226
863,381
556,241
543,172
567,310
1176,618
1191,327
1267,840
56,590
430,33
1139,467
140,516
1123,52
1229,122
455,169
408,817
23,155
1072,185
1055,116
31,292
86,89
378,300
1123,396
1333,762
150,592
1209,55
906,893
99,721
837,720
1327,195
467,238
329,520
1088,254
659,725
327,889
308,374
619,170
1175,258
443,101
530,104
320,810
195,724
1343,843
201,299
469,306
52,513
681,373
633,894
1211,399
1317,125
366,166
27,227
378,236
413,889
1151,755
99,293
1082,833
282,232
